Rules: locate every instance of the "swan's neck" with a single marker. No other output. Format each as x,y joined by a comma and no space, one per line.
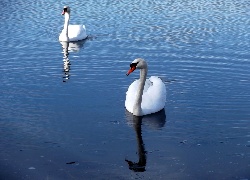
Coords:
137,111
66,23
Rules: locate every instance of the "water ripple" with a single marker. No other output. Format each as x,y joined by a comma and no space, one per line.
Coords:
199,47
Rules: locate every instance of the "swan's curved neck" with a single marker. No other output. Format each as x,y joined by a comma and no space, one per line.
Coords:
66,23
137,106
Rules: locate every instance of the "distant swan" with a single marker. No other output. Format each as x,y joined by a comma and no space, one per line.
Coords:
71,32
144,96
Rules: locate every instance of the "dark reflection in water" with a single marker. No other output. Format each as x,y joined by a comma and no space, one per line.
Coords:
155,121
69,47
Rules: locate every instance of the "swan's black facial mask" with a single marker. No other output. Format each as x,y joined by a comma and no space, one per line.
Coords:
133,65
64,11
132,68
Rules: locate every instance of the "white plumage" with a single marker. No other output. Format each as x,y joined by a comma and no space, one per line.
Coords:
71,32
152,92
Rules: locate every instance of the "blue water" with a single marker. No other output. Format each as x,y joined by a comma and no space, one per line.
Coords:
63,117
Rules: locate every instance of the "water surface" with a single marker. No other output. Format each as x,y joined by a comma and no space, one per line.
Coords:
63,115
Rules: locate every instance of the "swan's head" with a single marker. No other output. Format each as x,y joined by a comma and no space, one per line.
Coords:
66,9
138,63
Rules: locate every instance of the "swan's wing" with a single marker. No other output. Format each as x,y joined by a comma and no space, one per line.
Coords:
76,32
147,85
153,100
132,92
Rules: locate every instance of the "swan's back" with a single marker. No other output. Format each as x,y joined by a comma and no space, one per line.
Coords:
77,32
153,98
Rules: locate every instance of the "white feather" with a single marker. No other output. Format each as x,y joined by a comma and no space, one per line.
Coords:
153,97
72,32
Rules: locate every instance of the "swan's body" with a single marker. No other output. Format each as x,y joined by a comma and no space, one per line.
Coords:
145,96
71,32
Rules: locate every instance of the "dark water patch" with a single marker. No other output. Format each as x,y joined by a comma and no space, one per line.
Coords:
72,162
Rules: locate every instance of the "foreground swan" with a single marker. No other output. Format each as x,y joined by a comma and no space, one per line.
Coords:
144,96
71,32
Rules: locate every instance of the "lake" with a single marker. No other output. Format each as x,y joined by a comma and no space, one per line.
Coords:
62,113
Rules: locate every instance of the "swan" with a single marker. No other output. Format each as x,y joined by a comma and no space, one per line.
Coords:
71,32
144,96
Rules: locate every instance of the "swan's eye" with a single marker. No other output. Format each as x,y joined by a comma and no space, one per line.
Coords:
65,9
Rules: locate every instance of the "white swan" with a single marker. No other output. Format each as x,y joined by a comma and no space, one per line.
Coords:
71,32
144,96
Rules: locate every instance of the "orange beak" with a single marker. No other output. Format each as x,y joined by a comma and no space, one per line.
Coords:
131,70
63,12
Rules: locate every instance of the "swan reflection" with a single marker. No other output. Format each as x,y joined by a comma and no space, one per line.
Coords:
74,46
154,121
66,61
69,47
